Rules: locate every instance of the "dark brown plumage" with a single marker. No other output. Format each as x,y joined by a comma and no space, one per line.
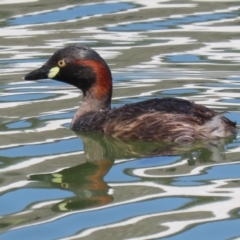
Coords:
167,119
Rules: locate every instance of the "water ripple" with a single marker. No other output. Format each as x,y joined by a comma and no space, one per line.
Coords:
111,189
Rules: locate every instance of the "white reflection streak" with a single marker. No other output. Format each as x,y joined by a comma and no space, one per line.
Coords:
44,204
22,32
16,1
14,185
159,4
37,160
36,143
141,172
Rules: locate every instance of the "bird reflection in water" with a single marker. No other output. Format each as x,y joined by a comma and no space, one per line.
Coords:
86,180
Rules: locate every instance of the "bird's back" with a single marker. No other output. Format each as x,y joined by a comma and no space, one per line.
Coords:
167,119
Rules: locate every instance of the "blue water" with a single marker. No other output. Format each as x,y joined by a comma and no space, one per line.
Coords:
63,146
26,97
72,13
15,201
189,58
19,124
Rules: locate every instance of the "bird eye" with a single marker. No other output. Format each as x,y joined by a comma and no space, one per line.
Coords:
61,63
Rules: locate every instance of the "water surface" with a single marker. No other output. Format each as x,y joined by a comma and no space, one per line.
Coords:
55,184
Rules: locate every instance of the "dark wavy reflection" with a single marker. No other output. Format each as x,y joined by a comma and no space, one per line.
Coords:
86,181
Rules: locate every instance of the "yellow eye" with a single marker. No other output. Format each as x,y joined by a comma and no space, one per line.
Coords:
61,63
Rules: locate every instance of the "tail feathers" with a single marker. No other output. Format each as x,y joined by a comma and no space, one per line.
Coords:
218,126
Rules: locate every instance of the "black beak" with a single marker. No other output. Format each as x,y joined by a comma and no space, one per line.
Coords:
41,73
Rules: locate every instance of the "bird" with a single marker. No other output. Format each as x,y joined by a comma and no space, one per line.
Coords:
160,119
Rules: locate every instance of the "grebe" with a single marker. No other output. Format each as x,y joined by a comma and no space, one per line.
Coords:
166,119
